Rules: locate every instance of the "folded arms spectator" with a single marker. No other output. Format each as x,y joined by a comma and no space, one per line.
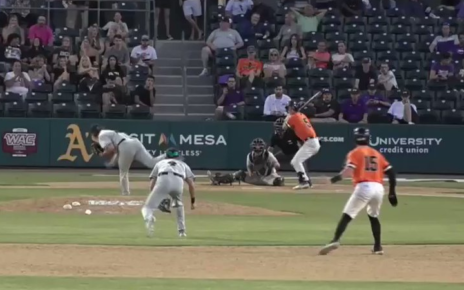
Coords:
309,18
354,110
230,96
144,54
248,69
327,109
319,58
341,58
253,29
115,69
223,37
294,49
275,104
446,42
41,31
17,81
274,67
289,28
145,95
387,78
403,112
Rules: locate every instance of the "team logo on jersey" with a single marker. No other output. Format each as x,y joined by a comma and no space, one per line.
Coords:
76,145
19,142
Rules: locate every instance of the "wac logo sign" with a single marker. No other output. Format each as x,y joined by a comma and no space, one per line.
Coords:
76,145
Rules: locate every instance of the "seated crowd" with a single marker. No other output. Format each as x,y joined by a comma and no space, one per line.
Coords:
99,68
376,65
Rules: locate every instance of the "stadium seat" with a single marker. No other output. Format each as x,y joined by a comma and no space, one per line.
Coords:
83,98
139,112
294,62
254,113
320,83
114,111
274,81
65,110
343,73
8,97
39,110
452,117
85,110
422,104
61,97
378,116
254,100
317,36
297,82
442,105
363,37
43,88
33,97
331,19
423,95
15,109
343,83
227,60
428,116
66,87
301,92
331,28
296,72
378,19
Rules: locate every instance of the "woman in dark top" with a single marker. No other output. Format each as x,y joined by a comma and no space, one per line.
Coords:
36,49
62,71
114,67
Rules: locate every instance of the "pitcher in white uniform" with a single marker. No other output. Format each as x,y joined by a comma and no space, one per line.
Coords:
125,149
167,181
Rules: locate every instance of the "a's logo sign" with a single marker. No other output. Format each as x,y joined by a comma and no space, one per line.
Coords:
19,142
165,142
76,145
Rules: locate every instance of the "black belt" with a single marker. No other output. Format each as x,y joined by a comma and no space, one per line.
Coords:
119,143
166,173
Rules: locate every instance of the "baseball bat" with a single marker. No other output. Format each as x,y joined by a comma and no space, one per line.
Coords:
285,125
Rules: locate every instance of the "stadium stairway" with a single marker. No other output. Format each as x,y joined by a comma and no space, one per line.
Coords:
180,93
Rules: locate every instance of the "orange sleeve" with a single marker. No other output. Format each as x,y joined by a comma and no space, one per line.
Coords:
240,66
352,159
291,121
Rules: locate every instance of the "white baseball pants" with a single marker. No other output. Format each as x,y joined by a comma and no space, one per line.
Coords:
368,194
309,148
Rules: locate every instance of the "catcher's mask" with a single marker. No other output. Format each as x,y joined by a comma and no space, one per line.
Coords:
172,153
95,130
361,136
279,126
258,146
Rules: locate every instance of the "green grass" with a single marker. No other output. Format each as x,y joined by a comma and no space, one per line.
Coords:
417,220
36,283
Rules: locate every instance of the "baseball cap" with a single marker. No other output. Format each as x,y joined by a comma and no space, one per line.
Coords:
145,37
366,60
371,87
354,91
225,19
405,93
251,49
326,91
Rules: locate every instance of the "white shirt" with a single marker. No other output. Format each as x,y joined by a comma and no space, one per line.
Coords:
18,86
110,137
172,166
237,7
339,57
147,54
274,104
397,109
388,80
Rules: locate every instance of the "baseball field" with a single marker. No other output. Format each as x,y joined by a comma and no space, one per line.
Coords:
239,237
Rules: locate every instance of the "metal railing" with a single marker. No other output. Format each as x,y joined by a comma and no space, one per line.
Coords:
136,13
184,74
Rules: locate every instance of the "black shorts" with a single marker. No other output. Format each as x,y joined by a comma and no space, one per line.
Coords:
164,4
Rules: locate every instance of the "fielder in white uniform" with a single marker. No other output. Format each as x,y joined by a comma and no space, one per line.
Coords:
125,149
167,181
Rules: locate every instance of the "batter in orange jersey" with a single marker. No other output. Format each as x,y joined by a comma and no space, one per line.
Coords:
310,143
367,168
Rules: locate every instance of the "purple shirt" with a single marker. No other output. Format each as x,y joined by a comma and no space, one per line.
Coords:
354,112
458,53
367,98
443,70
233,97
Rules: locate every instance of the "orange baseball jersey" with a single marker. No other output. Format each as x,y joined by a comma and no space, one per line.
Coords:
302,126
368,164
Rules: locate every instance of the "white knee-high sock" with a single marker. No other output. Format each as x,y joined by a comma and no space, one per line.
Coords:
148,213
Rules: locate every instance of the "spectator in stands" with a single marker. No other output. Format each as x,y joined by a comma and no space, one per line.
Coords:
275,104
223,37
442,71
118,27
274,67
41,31
403,112
342,59
22,9
309,18
353,110
86,70
458,54
293,49
265,11
192,10
61,72
165,6
115,69
90,52
387,78
38,71
230,96
90,84
351,8
144,54
17,81
417,9
119,50
36,49
325,4
373,99
253,29
236,8
13,51
145,95
365,75
249,69
446,42
286,3
112,92
13,28
73,9
65,50
96,42
327,108
288,29
319,58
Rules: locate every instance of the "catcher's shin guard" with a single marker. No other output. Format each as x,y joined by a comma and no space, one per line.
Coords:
240,176
219,178
279,181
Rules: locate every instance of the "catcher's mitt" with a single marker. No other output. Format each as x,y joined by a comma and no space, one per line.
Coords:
96,148
165,205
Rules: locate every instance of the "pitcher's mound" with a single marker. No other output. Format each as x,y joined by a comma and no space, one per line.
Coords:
129,205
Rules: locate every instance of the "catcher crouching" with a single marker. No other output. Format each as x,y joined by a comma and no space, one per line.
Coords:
261,165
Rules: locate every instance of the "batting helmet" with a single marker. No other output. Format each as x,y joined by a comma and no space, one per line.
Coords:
361,135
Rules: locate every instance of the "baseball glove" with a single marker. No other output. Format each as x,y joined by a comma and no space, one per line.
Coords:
393,199
165,205
96,148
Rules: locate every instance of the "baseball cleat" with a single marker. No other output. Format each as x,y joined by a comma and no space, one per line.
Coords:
211,177
329,248
377,251
150,226
303,185
182,234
